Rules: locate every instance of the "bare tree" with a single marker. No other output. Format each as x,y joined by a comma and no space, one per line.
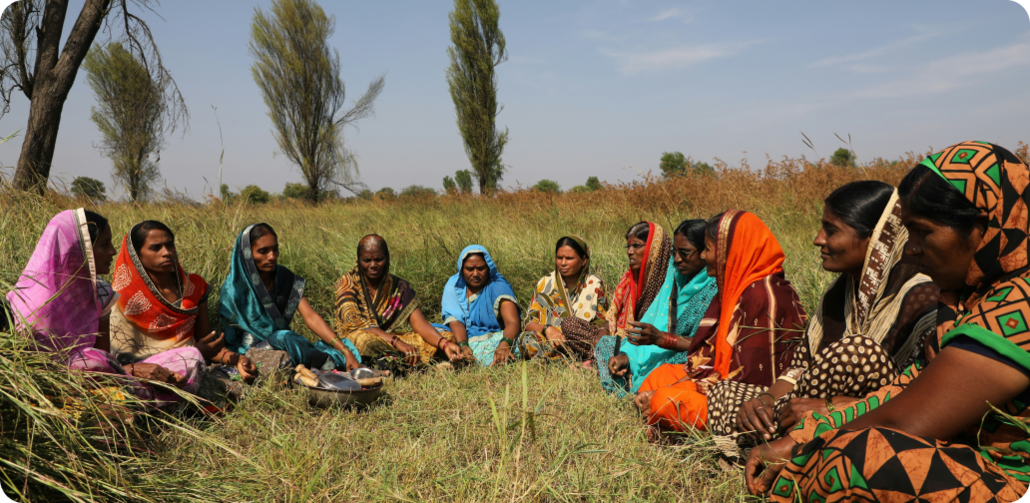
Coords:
478,48
33,62
299,77
131,114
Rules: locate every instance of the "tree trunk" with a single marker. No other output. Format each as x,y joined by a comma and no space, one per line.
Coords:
54,77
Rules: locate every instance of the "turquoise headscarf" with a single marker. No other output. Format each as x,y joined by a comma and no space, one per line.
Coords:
692,298
250,315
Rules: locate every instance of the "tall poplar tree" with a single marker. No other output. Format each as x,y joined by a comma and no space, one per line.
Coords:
299,77
131,114
478,48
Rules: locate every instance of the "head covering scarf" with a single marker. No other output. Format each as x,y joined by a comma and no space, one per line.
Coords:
872,309
251,315
156,323
995,304
634,295
746,251
553,300
249,312
478,316
56,295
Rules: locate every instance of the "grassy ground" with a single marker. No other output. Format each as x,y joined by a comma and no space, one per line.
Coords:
439,438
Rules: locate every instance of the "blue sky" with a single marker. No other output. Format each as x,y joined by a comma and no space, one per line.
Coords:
598,88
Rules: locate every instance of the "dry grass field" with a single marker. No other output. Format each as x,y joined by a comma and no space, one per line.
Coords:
441,436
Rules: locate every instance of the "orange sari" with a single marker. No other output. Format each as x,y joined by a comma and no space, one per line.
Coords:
748,333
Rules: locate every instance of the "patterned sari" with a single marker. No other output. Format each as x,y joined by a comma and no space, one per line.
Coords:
554,303
480,313
255,320
632,298
987,462
357,311
59,298
750,330
860,336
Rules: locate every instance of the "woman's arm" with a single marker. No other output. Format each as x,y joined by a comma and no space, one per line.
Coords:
461,335
317,324
429,334
204,338
534,326
952,393
511,326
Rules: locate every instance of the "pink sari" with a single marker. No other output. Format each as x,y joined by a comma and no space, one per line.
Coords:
57,299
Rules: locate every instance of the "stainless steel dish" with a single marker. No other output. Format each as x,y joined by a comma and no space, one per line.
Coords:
320,397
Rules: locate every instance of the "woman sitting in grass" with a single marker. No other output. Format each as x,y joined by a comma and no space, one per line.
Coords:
759,321
873,320
380,314
954,429
258,302
161,308
61,300
479,307
648,248
570,291
664,333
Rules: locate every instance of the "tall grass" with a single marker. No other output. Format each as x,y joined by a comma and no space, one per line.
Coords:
518,433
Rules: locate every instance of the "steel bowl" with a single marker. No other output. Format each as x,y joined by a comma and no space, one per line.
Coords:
321,397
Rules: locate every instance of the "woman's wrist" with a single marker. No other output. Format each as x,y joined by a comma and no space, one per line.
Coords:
130,368
667,341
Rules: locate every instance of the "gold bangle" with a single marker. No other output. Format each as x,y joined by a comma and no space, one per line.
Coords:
829,405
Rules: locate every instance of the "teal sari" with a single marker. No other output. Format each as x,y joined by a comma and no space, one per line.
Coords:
253,317
678,308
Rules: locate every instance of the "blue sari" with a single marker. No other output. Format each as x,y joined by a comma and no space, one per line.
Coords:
480,314
253,317
692,297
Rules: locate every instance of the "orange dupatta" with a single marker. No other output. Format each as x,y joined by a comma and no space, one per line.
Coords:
746,251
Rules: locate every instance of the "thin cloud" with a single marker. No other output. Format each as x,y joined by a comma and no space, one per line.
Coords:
673,14
630,62
953,72
876,51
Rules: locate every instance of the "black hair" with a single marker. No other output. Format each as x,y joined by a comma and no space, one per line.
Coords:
694,231
374,241
860,204
96,225
712,227
571,243
261,230
640,230
929,195
139,233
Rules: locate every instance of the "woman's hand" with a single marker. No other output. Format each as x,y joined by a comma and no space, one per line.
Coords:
643,402
467,353
502,354
642,334
554,336
352,362
796,408
410,355
757,415
618,365
210,345
765,464
248,371
158,373
451,350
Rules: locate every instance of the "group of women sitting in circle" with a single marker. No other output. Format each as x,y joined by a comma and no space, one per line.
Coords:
911,380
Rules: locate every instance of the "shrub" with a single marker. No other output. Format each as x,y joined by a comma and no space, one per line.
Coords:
418,192
253,194
546,185
92,189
